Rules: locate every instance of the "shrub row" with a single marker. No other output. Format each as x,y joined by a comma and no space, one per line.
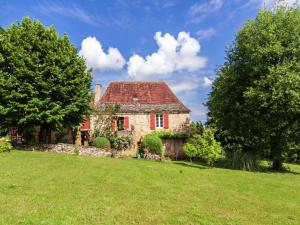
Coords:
113,141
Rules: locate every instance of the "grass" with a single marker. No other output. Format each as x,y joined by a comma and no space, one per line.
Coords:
49,188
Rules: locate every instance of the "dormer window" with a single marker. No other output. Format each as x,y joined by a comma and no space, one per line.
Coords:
159,120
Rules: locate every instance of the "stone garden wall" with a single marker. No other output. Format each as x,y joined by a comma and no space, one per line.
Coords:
69,149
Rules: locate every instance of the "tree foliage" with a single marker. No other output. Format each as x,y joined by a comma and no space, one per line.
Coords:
197,128
42,79
255,101
204,146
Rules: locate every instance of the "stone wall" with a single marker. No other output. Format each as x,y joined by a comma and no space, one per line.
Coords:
174,148
68,149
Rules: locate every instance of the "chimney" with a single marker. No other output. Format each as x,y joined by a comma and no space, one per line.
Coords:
98,90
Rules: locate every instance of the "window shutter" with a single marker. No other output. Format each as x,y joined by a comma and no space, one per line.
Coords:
166,120
114,124
126,122
152,121
85,124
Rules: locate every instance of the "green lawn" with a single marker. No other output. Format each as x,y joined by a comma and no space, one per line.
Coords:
49,188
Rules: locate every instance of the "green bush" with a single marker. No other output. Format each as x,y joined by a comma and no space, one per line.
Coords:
5,145
120,143
101,142
204,146
153,144
169,134
241,161
190,150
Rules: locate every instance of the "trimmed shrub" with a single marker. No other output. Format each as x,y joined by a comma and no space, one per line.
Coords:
5,145
153,144
101,142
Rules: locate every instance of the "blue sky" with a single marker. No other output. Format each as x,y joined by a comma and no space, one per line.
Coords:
180,41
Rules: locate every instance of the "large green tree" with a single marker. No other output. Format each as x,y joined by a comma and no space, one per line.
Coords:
255,101
42,79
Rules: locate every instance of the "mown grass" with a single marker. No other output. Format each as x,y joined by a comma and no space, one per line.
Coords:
49,188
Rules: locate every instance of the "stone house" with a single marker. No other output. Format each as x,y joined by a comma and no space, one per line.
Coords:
144,107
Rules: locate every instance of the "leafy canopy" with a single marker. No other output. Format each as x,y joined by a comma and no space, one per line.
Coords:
42,79
255,101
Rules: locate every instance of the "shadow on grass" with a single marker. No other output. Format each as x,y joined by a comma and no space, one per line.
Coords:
261,169
198,165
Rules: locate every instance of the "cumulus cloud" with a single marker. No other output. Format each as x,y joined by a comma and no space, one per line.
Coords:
173,55
95,57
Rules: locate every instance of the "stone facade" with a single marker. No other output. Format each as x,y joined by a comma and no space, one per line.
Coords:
139,124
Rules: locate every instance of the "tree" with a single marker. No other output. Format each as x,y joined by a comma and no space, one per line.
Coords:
43,82
255,101
197,128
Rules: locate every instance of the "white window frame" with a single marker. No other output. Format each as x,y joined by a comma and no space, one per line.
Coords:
159,120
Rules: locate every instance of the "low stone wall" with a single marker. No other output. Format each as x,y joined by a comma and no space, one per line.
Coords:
70,149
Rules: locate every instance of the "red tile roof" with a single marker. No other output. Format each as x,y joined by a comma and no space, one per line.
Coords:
144,93
138,92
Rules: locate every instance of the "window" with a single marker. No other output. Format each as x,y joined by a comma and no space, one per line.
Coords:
120,123
159,120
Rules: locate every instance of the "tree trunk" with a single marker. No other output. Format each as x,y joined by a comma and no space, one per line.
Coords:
276,152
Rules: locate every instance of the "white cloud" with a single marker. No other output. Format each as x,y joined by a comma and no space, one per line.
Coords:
71,11
186,82
205,8
282,2
207,81
96,58
184,86
206,33
199,11
199,112
173,55
270,3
